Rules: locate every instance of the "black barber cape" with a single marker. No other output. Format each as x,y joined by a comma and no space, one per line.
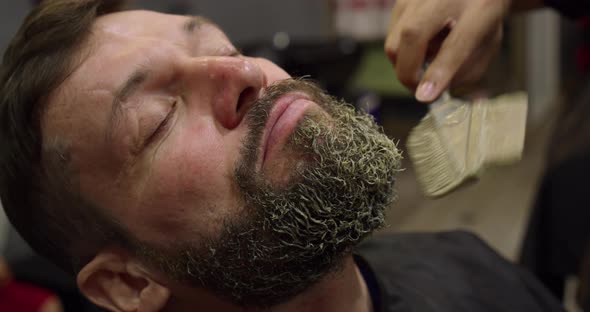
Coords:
450,271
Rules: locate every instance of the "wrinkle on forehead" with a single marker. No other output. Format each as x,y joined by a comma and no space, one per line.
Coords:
139,23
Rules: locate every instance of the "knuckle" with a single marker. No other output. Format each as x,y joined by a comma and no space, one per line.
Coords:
390,50
391,55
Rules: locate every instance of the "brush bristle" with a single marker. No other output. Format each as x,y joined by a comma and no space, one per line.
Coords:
487,132
436,171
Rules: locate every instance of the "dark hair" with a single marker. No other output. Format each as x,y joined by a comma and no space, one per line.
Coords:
37,187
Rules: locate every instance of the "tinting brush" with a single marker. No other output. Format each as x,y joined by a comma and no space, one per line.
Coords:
457,140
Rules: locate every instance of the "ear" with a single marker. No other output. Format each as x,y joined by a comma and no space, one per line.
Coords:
115,281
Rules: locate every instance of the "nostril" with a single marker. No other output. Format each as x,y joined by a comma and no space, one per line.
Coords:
247,96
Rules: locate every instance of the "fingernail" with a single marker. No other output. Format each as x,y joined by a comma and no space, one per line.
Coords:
425,92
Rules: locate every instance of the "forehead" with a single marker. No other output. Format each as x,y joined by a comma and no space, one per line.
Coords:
120,40
133,24
118,44
117,40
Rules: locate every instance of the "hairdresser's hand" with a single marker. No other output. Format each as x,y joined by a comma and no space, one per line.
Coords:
458,37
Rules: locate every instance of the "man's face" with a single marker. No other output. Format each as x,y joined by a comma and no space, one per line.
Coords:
232,176
174,136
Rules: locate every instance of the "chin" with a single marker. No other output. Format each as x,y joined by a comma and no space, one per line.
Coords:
285,168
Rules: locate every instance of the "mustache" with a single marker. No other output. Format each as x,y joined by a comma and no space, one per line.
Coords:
257,117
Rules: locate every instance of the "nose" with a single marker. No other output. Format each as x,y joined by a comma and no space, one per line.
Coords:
228,85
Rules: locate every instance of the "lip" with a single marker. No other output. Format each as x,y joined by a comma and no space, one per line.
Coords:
284,117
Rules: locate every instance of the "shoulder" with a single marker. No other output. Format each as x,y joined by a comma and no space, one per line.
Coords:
452,241
460,252
457,270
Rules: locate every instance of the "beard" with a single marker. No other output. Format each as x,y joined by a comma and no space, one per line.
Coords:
287,237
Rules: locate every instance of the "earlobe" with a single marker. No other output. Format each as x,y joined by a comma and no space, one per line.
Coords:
116,282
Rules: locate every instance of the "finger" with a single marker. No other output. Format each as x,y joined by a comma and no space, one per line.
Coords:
463,40
392,40
415,36
477,64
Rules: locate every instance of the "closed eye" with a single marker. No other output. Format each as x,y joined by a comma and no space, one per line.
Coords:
162,127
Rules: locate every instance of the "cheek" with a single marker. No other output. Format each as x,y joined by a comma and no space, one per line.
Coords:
197,162
192,182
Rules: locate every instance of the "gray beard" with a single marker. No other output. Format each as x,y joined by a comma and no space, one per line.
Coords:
287,238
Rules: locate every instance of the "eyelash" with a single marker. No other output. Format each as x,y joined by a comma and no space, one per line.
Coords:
162,126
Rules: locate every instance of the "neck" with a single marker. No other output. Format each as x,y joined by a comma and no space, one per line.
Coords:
342,291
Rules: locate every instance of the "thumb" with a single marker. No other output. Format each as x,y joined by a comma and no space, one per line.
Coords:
441,70
433,83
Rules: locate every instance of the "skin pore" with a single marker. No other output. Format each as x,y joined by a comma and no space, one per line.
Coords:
171,134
